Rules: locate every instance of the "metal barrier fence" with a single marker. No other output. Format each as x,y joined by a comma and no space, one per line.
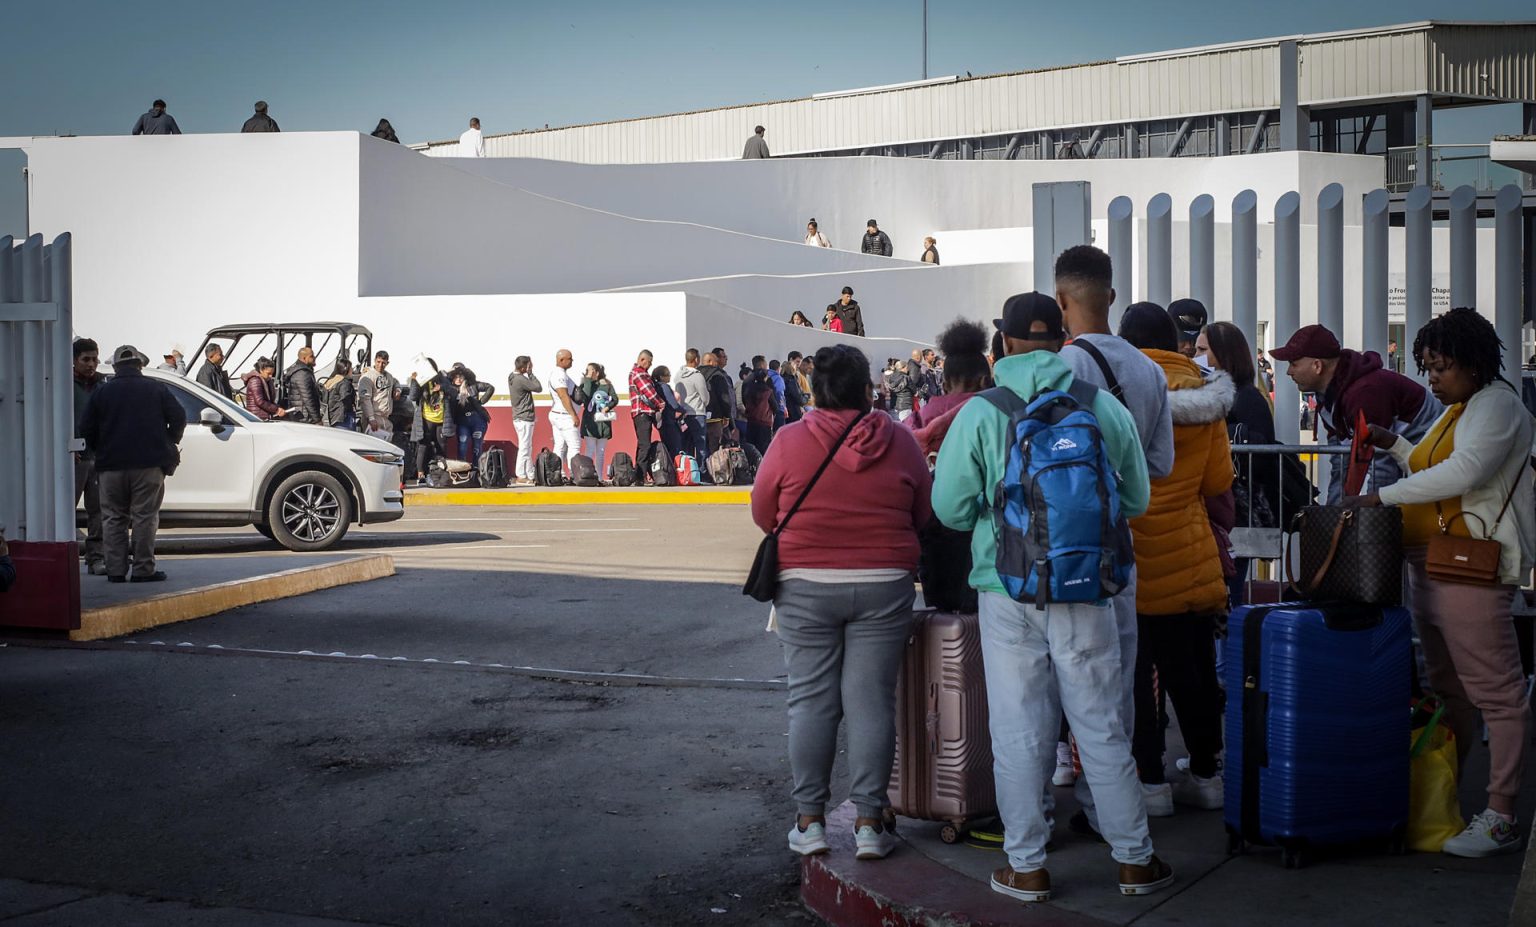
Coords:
1253,540
37,499
1243,305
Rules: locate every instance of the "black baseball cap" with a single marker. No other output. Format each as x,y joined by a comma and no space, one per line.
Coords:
1022,311
1189,316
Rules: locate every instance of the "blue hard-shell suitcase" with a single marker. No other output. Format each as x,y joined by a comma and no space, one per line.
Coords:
1317,725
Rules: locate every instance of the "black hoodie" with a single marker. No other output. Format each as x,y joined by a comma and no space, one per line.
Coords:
300,391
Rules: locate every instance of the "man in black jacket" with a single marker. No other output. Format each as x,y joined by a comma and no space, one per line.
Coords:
260,122
299,389
847,309
132,425
875,241
212,374
794,399
722,400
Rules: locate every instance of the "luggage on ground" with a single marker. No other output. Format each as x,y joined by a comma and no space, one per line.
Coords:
493,468
547,470
444,472
725,466
663,472
943,767
754,460
1061,537
687,470
584,471
621,470
1316,726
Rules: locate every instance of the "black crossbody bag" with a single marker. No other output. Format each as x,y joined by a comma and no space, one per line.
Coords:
763,582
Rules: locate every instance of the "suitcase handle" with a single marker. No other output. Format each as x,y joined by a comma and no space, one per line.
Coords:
932,720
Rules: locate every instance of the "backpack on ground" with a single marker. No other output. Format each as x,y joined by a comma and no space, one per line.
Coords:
621,470
493,468
722,466
443,472
1056,511
754,460
687,470
547,470
584,471
663,472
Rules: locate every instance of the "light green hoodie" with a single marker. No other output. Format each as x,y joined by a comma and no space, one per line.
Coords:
975,454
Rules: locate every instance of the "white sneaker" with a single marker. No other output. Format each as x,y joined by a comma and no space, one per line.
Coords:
809,842
1198,792
1489,834
1158,799
1183,763
1065,775
873,844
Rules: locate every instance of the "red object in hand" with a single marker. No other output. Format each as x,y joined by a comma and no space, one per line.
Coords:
1361,450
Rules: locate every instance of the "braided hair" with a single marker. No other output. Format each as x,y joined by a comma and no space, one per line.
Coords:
1467,339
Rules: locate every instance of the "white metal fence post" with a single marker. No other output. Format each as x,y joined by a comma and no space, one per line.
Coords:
1287,311
1373,272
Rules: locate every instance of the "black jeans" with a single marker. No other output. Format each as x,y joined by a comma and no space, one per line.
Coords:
760,436
1182,649
643,426
426,449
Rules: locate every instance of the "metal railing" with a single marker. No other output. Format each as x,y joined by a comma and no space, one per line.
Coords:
1260,532
1451,166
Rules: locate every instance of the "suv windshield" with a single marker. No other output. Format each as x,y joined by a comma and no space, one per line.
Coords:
194,397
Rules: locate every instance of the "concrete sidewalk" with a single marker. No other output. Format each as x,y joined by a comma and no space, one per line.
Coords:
580,495
928,881
196,587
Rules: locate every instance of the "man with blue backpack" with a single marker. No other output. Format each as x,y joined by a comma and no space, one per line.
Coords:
1048,470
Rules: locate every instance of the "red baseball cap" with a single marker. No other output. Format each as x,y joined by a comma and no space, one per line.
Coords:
1311,341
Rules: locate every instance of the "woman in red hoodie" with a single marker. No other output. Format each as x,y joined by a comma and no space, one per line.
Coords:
845,591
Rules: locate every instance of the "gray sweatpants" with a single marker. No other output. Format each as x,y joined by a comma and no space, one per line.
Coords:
843,645
131,496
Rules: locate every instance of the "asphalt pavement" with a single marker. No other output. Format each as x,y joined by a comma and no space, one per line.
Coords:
210,772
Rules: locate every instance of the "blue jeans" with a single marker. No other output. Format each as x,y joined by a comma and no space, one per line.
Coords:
471,433
1040,664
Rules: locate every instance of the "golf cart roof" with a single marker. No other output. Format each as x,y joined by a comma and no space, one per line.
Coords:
346,329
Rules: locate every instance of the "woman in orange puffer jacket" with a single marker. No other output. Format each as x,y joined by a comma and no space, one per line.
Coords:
1180,588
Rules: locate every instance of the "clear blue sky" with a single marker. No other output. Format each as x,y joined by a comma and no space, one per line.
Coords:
90,67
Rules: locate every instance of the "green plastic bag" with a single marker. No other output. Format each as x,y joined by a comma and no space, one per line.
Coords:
1434,812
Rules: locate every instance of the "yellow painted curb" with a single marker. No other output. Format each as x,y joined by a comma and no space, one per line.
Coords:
576,496
171,607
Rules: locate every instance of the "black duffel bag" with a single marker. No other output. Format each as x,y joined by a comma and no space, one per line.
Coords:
1349,554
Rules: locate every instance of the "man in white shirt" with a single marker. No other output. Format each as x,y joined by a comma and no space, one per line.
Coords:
472,143
563,421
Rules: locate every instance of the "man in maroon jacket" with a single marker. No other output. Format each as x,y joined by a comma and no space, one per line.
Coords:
1347,383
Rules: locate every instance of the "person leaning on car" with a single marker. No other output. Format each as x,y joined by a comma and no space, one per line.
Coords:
131,427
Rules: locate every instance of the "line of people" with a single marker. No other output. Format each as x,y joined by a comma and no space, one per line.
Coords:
1102,668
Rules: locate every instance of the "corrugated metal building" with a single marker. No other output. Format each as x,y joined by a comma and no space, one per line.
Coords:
1366,91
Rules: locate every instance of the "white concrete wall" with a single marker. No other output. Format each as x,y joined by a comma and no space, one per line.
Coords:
175,234
426,227
912,303
914,197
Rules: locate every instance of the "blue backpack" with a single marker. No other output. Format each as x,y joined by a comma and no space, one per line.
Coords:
1056,511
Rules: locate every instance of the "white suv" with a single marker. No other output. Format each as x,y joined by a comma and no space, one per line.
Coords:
301,485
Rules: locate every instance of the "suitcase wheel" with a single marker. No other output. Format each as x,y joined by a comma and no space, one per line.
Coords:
950,833
1235,844
1291,858
1397,845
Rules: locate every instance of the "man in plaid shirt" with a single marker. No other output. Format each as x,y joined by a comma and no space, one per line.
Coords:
644,405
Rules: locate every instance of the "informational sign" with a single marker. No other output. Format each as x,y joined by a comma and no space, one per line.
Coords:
1397,294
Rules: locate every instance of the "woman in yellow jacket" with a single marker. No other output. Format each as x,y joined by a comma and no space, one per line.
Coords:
1180,589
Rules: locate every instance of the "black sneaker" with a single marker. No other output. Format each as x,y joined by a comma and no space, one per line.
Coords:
155,577
1079,825
117,579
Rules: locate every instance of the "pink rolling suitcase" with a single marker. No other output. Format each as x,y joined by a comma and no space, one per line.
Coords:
943,767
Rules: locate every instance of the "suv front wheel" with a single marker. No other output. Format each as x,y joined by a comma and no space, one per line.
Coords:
310,511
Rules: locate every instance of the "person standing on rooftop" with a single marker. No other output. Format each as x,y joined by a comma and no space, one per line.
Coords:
157,122
875,241
756,147
472,143
260,122
386,132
